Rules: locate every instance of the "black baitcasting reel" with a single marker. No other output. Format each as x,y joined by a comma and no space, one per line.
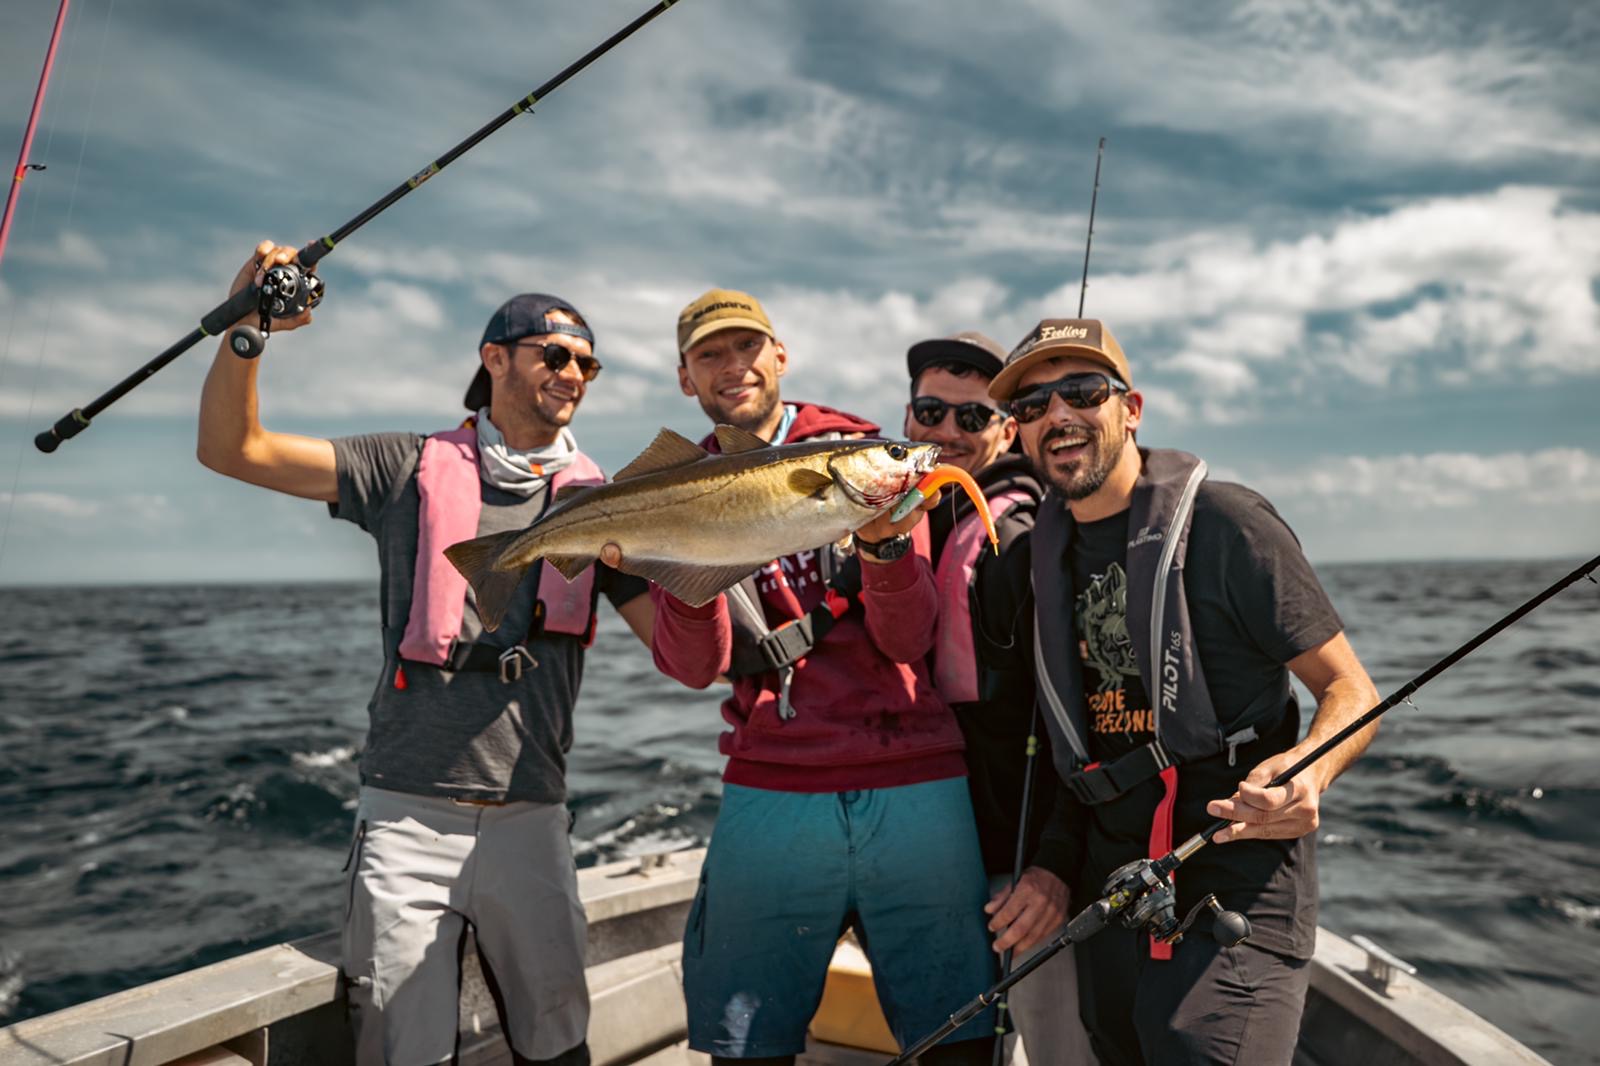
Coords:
287,290
1143,897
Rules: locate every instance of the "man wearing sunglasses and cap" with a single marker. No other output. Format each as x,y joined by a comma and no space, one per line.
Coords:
950,407
462,817
1168,614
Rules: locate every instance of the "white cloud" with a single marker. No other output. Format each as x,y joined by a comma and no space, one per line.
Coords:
1493,283
1451,480
70,249
1409,84
144,509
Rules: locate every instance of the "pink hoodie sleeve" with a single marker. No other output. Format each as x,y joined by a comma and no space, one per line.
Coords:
902,606
692,645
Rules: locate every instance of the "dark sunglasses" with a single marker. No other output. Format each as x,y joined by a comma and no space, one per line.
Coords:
970,417
557,356
1079,390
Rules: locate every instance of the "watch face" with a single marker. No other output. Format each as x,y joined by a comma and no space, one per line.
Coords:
889,550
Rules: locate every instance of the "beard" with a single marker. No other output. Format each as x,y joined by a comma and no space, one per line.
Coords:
750,416
1085,476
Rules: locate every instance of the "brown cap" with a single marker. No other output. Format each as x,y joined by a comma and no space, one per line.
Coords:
1086,338
720,309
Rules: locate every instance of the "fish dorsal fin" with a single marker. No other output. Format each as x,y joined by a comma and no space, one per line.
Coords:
566,492
808,482
667,451
733,440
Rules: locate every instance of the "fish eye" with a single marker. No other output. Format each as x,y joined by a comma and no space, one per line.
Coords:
897,452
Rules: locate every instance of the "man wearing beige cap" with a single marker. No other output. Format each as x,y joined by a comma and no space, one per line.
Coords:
1169,612
844,800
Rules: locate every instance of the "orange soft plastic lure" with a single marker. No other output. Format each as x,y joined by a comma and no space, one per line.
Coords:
941,475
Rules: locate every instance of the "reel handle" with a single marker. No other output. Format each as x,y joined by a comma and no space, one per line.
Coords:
246,342
67,426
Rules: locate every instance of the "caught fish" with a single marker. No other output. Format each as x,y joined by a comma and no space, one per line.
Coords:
696,523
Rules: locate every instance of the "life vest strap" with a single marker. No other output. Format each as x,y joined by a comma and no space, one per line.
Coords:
1103,782
781,648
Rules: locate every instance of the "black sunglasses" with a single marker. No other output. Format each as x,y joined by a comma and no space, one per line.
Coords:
557,356
970,417
1079,390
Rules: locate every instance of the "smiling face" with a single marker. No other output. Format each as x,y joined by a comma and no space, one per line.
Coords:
734,374
530,399
959,447
1078,450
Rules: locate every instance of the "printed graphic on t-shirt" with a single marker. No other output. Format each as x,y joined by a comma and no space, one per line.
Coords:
801,573
1119,711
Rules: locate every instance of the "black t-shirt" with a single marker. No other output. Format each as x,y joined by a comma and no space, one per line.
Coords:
1254,603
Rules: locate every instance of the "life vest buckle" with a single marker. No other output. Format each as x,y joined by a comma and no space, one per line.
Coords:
512,660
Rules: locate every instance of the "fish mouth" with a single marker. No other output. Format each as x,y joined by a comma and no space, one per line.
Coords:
921,463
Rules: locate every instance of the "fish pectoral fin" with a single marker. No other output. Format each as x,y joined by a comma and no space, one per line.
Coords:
668,451
809,482
692,583
492,588
733,440
570,566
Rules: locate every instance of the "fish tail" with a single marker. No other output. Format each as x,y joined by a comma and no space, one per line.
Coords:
492,587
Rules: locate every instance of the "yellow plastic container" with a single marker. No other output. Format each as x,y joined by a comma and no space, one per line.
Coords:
850,1013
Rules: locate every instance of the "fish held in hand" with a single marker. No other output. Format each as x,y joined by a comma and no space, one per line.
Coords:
696,523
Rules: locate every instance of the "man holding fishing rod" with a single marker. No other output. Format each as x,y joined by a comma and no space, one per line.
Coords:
1011,797
462,819
1169,613
844,801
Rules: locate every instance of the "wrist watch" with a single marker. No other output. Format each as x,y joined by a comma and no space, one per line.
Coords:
884,551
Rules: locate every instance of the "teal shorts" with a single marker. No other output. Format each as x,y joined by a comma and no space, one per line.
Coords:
787,872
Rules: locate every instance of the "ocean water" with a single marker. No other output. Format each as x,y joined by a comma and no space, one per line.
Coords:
177,772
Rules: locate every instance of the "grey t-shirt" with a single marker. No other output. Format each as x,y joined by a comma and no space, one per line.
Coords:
466,734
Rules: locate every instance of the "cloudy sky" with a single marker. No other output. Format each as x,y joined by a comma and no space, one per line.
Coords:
1352,249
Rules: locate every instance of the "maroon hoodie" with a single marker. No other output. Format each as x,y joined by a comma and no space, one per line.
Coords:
866,714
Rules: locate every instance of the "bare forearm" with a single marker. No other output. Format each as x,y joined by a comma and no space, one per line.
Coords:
228,411
1343,701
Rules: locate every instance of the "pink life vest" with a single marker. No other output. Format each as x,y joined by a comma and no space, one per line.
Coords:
450,490
955,663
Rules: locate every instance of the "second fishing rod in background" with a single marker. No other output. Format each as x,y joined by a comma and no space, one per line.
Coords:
1003,1026
290,289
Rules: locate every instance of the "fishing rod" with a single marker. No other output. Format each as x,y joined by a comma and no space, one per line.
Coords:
23,166
1002,1024
1094,199
290,289
1140,895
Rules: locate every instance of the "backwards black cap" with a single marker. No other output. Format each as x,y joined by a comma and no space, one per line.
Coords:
521,316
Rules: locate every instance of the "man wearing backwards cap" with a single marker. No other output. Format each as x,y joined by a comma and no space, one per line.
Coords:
462,818
1168,613
950,407
843,802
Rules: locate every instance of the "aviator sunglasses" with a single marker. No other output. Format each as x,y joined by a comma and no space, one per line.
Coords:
557,356
1078,390
970,417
